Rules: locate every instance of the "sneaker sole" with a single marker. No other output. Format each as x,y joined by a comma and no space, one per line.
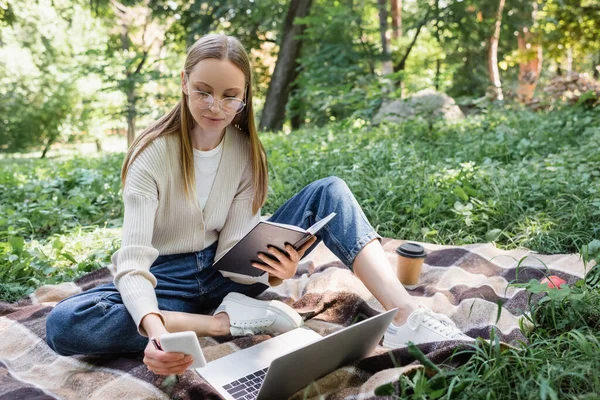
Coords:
397,346
280,308
392,346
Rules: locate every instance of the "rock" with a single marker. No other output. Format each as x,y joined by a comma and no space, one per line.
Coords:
426,104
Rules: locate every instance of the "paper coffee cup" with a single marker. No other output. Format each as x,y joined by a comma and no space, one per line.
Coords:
410,262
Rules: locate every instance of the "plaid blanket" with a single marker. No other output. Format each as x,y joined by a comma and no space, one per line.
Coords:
466,283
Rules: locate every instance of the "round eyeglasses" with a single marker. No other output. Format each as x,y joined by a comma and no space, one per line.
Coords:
204,100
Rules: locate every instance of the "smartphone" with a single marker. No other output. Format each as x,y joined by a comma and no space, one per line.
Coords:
184,342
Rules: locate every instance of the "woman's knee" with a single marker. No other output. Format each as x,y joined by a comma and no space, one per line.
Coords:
90,324
60,329
334,185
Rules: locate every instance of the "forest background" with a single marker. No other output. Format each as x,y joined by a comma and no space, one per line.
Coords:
80,71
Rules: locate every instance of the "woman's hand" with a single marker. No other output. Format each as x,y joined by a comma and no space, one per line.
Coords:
286,264
163,363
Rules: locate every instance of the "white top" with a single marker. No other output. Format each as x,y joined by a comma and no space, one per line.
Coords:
206,164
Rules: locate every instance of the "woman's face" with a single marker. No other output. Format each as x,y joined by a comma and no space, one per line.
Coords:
219,78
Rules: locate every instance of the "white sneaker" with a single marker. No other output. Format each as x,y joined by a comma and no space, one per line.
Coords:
249,316
423,326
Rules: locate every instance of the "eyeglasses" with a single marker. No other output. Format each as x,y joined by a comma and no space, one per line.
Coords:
204,100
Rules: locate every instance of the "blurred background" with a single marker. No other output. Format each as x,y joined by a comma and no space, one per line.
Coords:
92,73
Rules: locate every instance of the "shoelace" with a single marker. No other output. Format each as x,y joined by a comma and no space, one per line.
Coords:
439,322
254,327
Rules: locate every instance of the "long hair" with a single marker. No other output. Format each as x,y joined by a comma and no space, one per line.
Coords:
179,120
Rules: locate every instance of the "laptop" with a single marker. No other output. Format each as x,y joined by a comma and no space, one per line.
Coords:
279,367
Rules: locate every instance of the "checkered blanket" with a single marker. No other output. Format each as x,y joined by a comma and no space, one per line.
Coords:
466,283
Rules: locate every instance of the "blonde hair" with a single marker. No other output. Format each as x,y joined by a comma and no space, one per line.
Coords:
179,120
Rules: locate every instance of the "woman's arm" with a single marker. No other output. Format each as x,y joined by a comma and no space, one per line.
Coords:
132,262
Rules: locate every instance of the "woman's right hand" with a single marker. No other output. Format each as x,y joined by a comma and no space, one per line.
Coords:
158,361
163,363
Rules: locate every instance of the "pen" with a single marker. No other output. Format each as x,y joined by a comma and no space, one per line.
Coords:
155,343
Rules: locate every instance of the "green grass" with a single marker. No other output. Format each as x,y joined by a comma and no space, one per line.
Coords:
559,362
514,177
58,220
510,176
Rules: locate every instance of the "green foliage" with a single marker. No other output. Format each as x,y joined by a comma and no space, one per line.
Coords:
40,102
591,253
33,114
57,220
256,24
511,176
336,67
559,362
569,24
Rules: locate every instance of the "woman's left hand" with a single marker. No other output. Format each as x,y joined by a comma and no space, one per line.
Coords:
286,264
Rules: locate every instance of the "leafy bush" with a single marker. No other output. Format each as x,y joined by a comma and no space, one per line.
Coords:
55,220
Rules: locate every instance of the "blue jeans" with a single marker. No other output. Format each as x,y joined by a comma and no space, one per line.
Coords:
96,322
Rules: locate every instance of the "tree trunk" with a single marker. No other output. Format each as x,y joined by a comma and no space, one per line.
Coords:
387,67
530,61
530,66
402,63
297,120
438,61
569,62
396,8
493,56
49,143
279,89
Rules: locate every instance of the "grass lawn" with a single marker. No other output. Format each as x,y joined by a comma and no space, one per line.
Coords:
509,176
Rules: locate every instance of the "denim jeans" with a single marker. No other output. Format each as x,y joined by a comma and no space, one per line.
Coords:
96,322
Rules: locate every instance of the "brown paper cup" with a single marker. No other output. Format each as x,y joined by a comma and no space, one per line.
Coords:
409,263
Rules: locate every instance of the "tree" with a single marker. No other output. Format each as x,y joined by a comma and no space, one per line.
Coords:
337,63
258,25
401,64
286,67
396,12
570,28
530,65
388,67
137,42
493,55
39,100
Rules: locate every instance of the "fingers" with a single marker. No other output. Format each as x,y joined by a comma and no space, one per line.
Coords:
306,246
290,254
264,267
280,268
163,363
168,369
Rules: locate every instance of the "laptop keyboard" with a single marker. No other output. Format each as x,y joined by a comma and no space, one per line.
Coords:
246,388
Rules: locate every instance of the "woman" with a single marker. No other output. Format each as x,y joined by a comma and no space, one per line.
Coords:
194,183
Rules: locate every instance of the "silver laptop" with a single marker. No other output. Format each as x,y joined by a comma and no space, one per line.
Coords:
277,368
